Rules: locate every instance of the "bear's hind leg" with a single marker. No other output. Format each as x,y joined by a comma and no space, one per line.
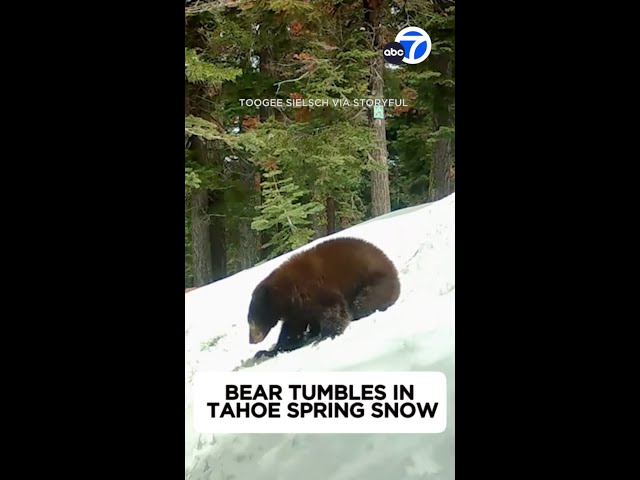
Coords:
335,316
379,295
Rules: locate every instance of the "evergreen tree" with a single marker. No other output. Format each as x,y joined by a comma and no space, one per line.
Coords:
262,181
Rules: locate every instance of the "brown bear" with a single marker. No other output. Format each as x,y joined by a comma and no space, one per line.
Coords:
318,292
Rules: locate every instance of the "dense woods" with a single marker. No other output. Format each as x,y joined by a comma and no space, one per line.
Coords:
261,181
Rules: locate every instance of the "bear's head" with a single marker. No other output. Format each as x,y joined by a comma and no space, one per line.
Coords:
262,315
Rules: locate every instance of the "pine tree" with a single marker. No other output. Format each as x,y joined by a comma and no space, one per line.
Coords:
262,181
380,198
442,180
422,135
204,79
284,214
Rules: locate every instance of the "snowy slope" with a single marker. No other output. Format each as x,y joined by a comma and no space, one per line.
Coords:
416,334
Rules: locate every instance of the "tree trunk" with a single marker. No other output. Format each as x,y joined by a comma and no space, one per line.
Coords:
442,177
217,235
380,197
262,237
217,220
442,174
331,215
200,236
248,252
200,241
249,248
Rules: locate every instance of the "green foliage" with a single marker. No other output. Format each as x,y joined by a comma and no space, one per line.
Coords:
325,160
283,212
199,71
273,169
413,134
202,128
191,180
291,6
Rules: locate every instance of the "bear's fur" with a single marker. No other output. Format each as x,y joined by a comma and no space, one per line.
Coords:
318,292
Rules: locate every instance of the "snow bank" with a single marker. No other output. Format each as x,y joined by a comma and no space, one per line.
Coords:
416,334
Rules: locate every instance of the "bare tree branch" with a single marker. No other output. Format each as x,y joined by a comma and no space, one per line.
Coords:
291,80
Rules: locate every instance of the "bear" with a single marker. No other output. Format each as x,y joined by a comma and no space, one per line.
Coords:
318,292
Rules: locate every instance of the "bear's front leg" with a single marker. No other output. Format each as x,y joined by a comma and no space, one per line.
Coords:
292,336
265,353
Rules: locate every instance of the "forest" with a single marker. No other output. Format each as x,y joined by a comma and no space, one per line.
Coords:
263,180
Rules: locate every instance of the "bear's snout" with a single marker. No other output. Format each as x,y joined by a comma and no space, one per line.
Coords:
255,334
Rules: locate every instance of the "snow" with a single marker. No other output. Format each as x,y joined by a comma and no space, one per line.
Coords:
416,334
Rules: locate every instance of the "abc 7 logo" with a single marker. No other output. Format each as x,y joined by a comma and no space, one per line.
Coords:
412,46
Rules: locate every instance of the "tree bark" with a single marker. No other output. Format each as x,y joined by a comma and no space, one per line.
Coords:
201,248
248,253
380,197
442,174
200,233
217,219
207,237
217,235
441,178
331,215
200,240
262,237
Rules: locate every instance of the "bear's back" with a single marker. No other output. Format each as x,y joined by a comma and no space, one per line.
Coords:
341,263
